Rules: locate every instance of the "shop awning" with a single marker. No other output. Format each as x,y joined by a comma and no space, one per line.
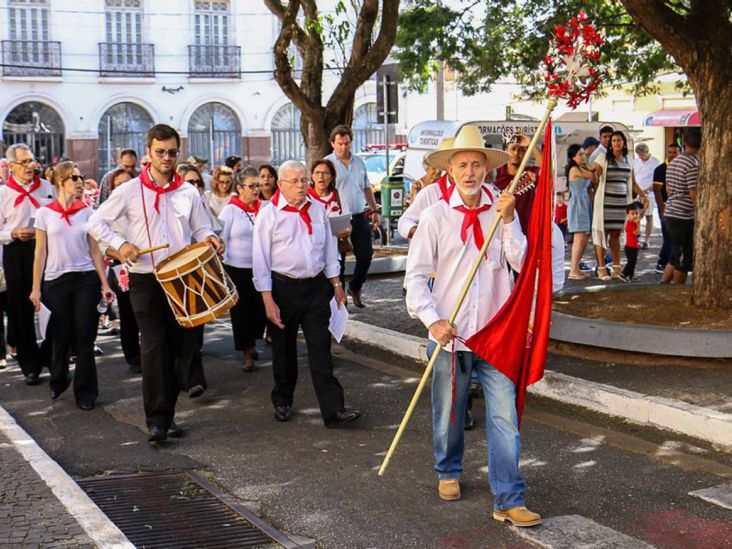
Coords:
673,118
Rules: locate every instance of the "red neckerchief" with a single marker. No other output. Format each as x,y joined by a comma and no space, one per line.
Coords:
303,212
444,184
76,206
330,202
470,218
236,201
147,180
11,183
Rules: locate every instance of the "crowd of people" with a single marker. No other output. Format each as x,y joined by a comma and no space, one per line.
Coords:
611,194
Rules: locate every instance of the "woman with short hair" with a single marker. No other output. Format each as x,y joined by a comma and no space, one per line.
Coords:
222,187
68,261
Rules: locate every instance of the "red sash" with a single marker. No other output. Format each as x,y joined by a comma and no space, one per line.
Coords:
236,201
76,206
147,180
302,212
330,202
12,184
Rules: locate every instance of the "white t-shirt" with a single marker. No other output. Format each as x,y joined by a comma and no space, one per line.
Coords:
237,236
67,246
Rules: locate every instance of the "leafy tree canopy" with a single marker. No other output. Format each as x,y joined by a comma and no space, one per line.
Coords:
485,40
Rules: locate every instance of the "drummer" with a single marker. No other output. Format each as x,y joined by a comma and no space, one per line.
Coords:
247,316
157,208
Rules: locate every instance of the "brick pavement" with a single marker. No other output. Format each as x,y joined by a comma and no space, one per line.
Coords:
30,514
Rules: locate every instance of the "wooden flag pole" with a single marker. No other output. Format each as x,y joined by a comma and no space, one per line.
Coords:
551,104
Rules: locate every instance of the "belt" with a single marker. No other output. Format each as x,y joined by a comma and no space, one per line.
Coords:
290,280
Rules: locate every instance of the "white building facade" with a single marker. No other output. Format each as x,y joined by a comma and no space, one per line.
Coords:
84,79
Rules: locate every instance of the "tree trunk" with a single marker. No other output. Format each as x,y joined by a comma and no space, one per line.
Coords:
316,144
712,280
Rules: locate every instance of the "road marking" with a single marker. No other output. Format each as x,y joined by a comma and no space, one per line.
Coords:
579,533
102,531
718,495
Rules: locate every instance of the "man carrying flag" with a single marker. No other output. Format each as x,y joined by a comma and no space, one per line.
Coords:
446,242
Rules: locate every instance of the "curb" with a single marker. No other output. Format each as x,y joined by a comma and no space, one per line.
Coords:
103,532
381,265
674,415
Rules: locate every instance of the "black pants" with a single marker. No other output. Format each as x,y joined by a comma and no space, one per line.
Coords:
247,316
168,351
18,265
304,303
681,232
129,332
72,299
3,308
363,249
631,256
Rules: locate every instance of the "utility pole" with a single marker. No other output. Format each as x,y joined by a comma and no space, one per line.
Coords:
440,88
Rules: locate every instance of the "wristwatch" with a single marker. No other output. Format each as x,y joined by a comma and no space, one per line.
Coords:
337,285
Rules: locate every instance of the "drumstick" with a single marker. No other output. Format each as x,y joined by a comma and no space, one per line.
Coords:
153,249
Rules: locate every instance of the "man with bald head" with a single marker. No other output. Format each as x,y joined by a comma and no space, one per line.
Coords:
447,242
295,267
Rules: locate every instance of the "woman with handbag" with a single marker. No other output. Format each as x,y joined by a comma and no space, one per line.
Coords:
323,189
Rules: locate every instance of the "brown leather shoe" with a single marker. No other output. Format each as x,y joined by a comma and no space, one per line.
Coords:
248,363
518,516
356,296
449,489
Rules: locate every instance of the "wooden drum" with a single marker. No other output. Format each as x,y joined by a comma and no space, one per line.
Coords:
196,285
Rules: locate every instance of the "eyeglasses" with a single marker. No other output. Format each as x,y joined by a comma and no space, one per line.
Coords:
193,181
162,153
76,178
225,180
301,181
26,162
321,174
252,187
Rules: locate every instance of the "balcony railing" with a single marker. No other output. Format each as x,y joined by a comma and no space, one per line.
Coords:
126,60
31,58
214,61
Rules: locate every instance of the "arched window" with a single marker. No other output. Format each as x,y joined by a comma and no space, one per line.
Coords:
214,132
287,142
366,127
123,126
38,126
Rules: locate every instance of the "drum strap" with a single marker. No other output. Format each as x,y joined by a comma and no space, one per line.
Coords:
147,225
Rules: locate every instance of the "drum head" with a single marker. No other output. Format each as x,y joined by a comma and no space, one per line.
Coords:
183,257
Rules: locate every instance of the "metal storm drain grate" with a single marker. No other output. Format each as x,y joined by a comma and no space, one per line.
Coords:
179,510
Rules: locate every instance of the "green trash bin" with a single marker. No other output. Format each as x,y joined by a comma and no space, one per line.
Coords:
392,196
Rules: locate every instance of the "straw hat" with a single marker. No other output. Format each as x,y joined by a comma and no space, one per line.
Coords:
467,139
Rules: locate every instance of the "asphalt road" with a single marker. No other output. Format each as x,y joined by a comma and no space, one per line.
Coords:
322,484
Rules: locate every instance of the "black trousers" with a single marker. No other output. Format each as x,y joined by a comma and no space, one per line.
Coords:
3,308
631,256
72,299
247,316
363,249
129,332
18,265
304,302
168,351
681,232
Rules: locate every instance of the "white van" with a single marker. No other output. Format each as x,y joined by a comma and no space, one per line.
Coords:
426,137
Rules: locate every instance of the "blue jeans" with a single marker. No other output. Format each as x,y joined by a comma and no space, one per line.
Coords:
504,442
664,256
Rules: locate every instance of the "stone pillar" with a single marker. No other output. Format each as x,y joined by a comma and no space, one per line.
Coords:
85,152
256,149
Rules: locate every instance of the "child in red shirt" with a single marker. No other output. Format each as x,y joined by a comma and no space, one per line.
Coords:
560,213
632,230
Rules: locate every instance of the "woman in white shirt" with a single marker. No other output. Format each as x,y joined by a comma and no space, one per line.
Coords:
222,185
68,261
247,316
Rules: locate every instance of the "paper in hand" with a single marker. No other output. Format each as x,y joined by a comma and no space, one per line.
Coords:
338,320
44,316
339,223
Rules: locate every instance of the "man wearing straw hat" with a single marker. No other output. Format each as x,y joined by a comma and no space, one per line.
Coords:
446,242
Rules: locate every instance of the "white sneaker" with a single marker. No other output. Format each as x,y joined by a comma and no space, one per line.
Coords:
3,363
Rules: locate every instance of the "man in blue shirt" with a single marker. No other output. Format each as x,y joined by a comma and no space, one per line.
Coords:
355,193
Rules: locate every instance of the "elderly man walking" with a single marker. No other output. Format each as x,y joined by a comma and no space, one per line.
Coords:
447,241
295,264
355,192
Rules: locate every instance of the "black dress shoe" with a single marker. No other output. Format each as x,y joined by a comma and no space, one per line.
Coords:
135,369
175,431
283,413
356,297
32,379
55,394
157,434
86,406
342,418
195,391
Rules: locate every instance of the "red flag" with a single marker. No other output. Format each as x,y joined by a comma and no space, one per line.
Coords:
515,340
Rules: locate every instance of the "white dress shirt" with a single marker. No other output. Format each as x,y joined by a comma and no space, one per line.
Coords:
67,246
438,248
12,217
424,199
282,244
237,236
182,219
